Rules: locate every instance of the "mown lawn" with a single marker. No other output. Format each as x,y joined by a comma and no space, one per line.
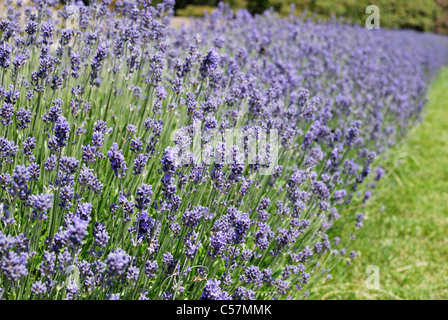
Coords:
405,231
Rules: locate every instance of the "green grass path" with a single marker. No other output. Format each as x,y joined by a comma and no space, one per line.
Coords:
405,231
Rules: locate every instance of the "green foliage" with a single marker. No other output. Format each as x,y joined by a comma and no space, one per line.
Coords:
422,15
194,11
411,14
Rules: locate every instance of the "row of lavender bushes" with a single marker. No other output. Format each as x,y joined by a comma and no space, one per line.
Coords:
101,200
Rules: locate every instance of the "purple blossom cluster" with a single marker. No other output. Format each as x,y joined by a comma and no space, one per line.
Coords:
87,93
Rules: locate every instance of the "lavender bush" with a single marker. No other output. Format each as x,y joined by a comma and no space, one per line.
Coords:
119,180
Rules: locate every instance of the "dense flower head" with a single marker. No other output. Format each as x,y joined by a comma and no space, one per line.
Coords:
76,231
41,203
117,161
61,131
14,266
143,196
117,262
212,291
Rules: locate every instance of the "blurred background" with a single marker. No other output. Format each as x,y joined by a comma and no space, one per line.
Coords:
421,15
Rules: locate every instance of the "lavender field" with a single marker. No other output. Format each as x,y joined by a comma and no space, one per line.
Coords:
228,158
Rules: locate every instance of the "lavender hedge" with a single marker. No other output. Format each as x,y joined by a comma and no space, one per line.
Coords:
119,180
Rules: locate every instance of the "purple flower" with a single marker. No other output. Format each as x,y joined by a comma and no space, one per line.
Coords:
218,243
242,293
5,52
20,177
76,231
192,218
41,203
31,27
61,131
47,266
253,275
117,262
13,266
47,32
170,160
143,199
209,63
151,268
212,291
139,164
88,179
117,161
101,236
38,288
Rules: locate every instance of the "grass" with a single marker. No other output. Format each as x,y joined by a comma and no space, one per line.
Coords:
406,225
